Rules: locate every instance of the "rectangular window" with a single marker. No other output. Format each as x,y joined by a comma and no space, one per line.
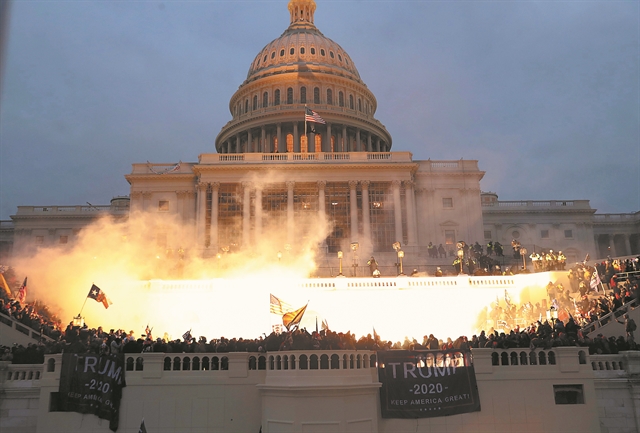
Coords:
447,202
487,235
449,237
64,239
544,234
568,394
163,205
39,240
568,234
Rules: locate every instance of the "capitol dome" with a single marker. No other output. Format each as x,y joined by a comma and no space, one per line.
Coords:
302,69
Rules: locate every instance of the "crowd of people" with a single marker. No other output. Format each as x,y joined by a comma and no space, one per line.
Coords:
577,305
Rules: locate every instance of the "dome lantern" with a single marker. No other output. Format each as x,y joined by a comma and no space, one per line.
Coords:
302,11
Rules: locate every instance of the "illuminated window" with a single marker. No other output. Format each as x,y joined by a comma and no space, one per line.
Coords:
289,143
64,239
163,205
318,143
449,237
303,144
447,202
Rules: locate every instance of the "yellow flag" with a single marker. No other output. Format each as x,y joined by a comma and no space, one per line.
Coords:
4,285
293,317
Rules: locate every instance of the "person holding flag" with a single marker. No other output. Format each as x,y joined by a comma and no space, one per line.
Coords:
22,293
293,317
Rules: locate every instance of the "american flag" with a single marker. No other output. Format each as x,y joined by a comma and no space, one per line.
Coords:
22,293
312,116
277,306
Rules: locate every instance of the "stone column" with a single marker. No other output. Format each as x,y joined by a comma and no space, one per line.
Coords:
258,214
279,135
369,148
249,141
238,146
181,208
397,209
377,148
358,141
322,206
412,227
366,213
344,139
246,215
290,185
263,139
353,205
627,244
213,228
327,141
296,138
202,189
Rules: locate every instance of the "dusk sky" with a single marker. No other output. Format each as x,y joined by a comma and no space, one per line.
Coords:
545,95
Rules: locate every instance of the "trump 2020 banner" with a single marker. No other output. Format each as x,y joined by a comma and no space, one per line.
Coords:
92,383
427,383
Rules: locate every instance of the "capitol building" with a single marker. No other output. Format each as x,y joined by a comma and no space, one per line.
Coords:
304,154
304,165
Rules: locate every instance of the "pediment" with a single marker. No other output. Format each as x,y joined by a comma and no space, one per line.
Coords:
449,223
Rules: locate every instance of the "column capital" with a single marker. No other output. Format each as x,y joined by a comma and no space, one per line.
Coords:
181,194
353,184
321,184
202,186
409,184
365,184
290,184
247,185
215,185
135,194
146,194
396,183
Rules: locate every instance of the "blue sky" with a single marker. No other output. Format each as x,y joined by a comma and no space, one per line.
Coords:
545,95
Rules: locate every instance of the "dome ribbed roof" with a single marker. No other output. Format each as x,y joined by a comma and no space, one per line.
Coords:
302,47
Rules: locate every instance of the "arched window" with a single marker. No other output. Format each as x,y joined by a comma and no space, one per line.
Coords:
359,104
290,95
301,50
318,143
313,50
351,102
303,95
292,51
273,55
281,53
341,99
265,99
274,145
276,97
246,105
316,95
289,143
329,97
333,143
255,102
304,148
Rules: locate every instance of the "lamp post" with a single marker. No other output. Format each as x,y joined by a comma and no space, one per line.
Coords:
354,248
340,258
396,247
400,257
279,256
461,259
523,252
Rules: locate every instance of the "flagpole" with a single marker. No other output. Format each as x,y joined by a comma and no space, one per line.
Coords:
305,126
85,302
